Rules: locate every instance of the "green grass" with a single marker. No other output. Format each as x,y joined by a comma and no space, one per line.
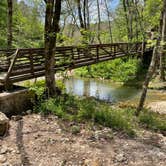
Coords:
152,120
84,109
87,109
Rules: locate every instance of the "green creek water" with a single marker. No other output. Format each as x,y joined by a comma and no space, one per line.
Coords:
108,91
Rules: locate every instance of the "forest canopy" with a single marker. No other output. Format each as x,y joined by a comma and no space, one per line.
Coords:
102,21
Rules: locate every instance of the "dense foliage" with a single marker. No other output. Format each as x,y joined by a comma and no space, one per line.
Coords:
28,28
3,23
27,25
121,70
28,20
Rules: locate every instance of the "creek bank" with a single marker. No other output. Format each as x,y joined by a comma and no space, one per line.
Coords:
159,107
157,85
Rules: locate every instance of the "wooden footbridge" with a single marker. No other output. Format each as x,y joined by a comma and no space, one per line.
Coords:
23,64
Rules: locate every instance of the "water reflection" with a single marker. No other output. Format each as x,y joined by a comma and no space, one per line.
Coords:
102,90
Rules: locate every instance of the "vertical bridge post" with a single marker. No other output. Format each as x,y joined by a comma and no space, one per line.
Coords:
97,52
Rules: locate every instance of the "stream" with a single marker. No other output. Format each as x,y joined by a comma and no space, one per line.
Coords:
109,91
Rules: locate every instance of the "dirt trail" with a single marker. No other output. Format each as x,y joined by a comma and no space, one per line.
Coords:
39,141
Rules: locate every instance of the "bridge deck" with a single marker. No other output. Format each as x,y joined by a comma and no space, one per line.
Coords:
23,64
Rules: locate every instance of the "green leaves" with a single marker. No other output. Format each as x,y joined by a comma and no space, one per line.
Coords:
3,23
86,37
63,40
117,70
162,43
152,13
153,120
27,26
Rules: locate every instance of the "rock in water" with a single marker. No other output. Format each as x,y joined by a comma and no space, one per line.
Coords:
4,124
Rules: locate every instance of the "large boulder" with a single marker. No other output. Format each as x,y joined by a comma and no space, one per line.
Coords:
4,124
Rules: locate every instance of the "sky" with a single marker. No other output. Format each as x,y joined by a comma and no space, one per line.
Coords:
114,4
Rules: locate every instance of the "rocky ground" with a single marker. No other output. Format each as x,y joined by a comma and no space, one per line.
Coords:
156,84
159,107
34,140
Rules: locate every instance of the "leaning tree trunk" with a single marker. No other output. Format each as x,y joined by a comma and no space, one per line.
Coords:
147,80
163,44
9,24
53,10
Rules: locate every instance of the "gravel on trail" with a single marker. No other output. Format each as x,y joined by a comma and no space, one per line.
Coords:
49,141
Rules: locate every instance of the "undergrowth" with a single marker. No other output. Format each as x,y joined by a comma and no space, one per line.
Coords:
153,121
81,109
87,109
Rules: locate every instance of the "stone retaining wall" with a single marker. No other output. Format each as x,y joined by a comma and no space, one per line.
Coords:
16,102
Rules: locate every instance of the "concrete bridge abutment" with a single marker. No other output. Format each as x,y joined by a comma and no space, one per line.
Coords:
17,101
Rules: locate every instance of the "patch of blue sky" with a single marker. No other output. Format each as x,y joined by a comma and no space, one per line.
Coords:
113,5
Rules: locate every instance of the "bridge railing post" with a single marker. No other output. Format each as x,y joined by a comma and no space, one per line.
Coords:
143,48
72,53
114,50
97,52
127,47
31,63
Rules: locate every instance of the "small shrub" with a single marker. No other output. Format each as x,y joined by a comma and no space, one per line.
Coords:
86,108
153,120
60,85
116,119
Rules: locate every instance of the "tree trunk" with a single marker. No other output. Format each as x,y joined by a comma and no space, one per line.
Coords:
72,14
88,17
147,79
80,15
109,22
9,24
53,10
163,44
130,17
99,22
84,13
127,20
140,20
